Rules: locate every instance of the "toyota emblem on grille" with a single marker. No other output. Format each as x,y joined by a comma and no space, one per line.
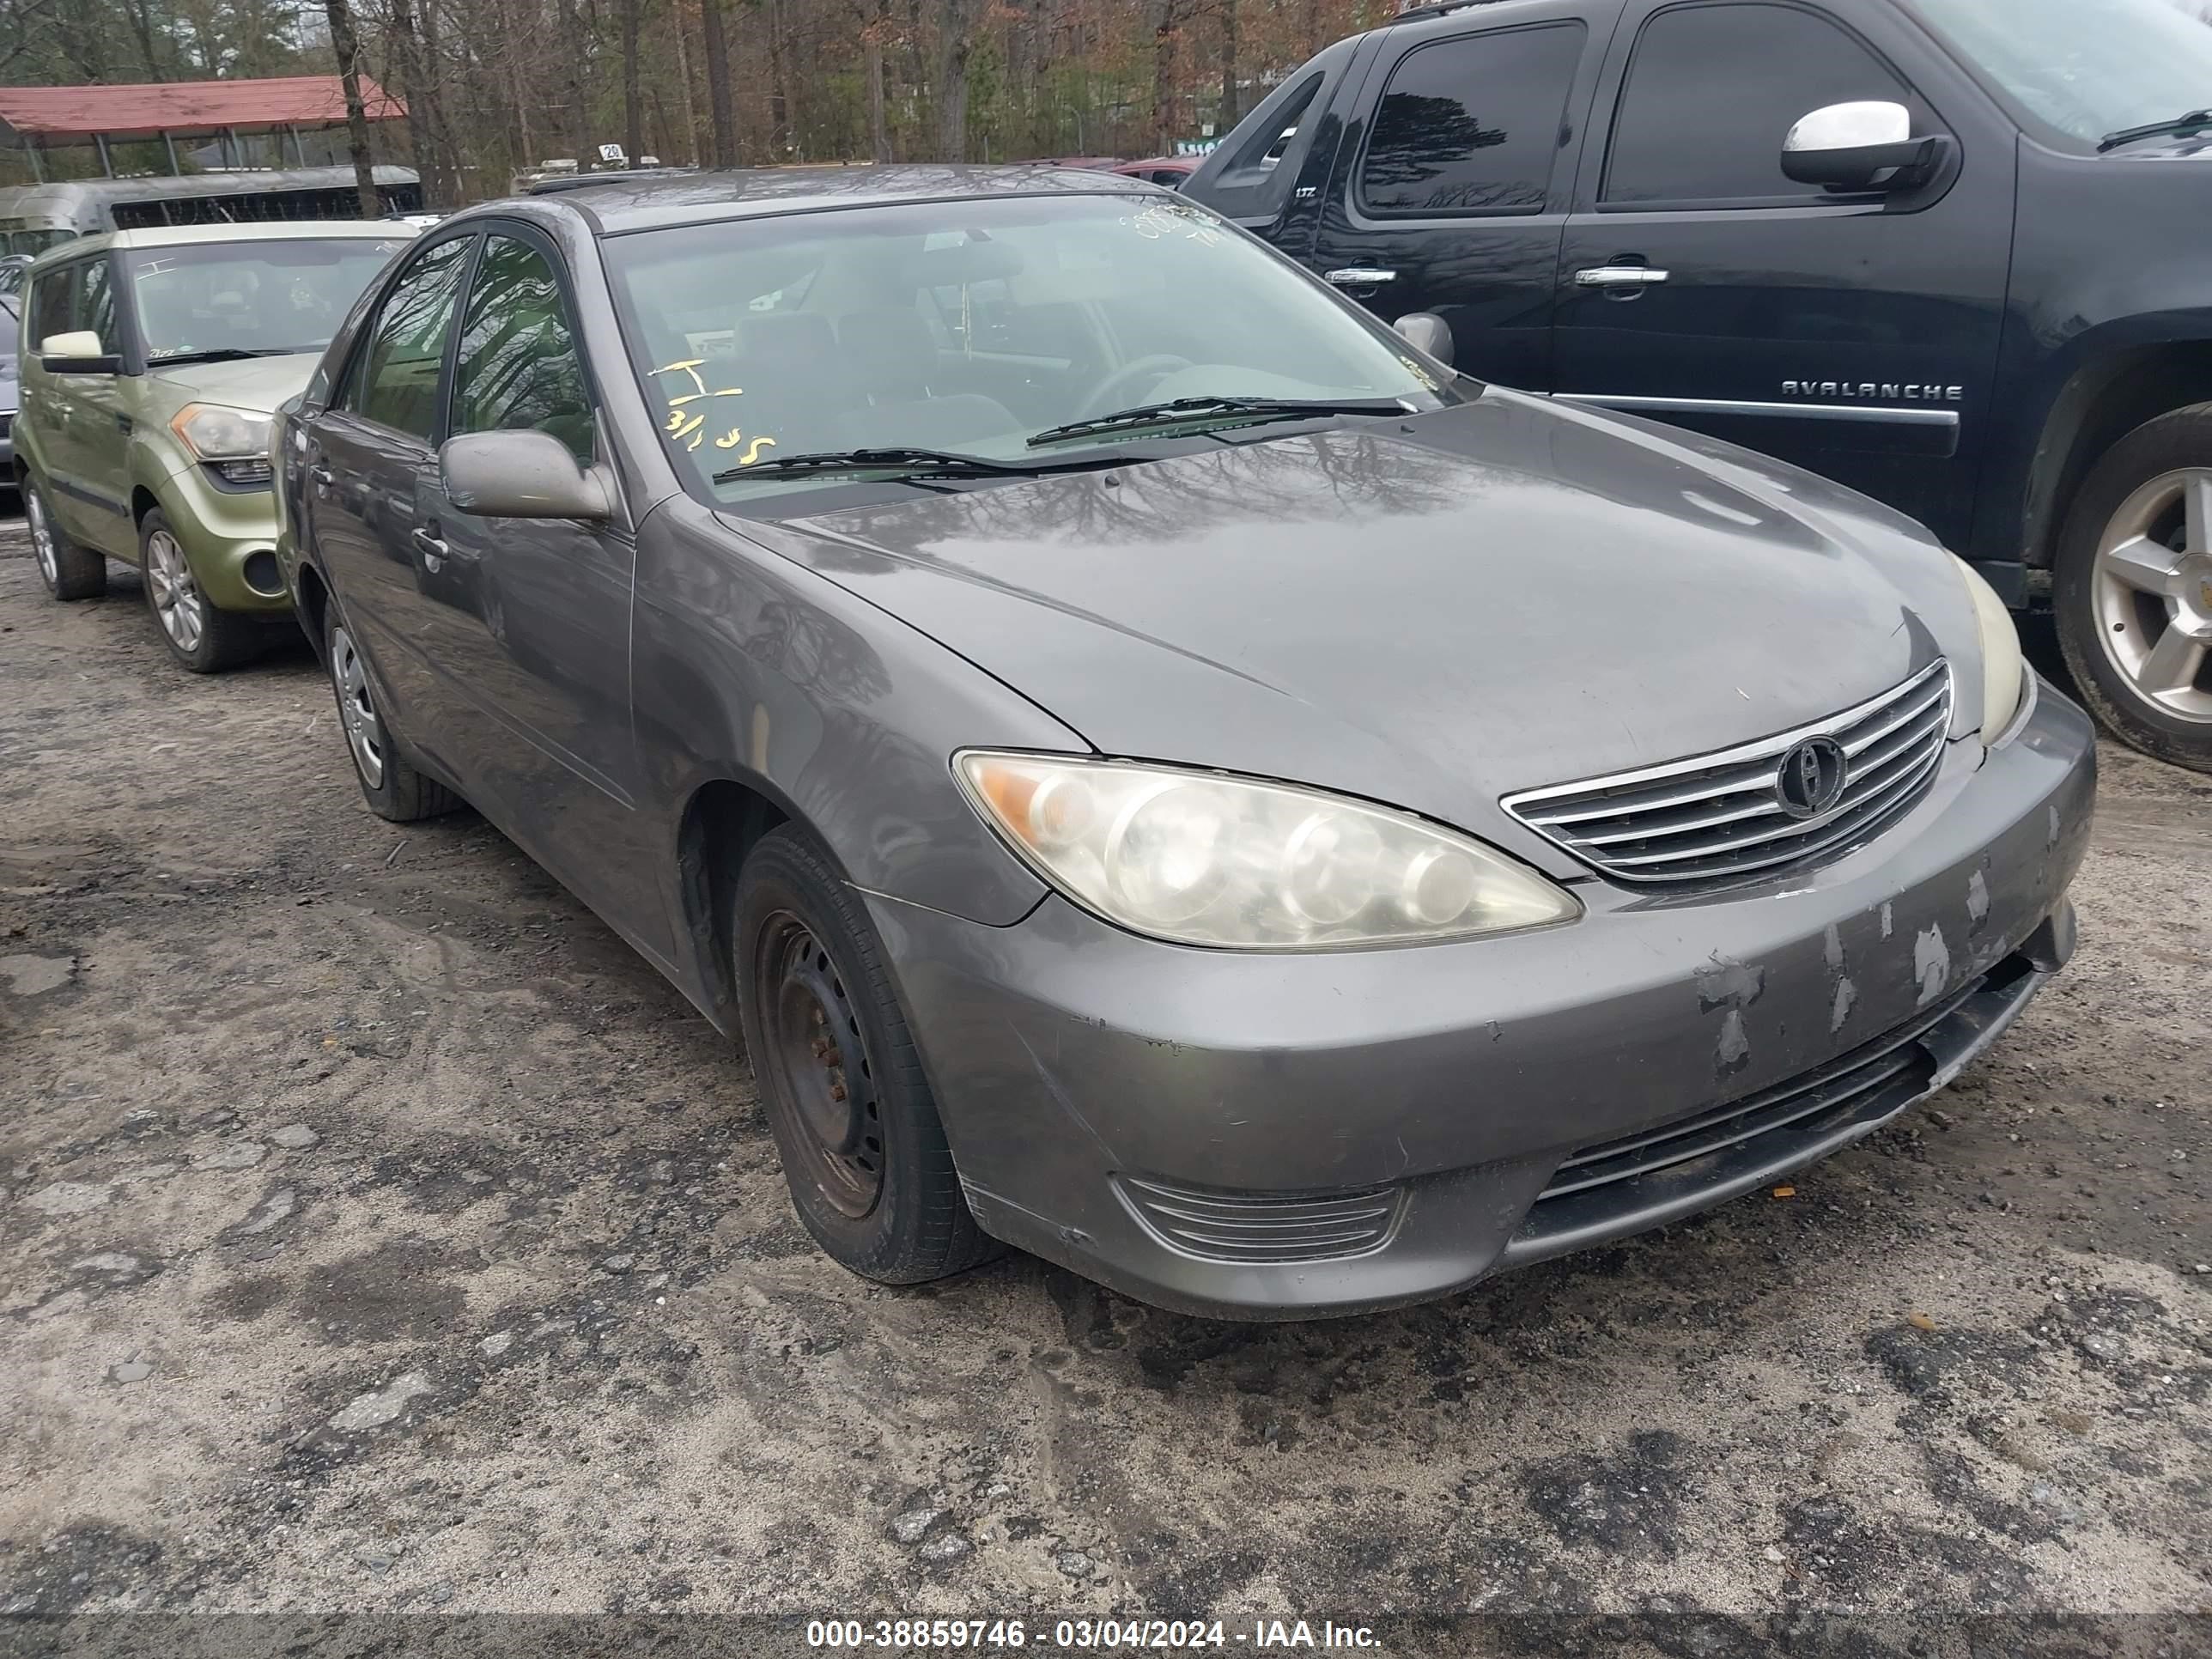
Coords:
1810,779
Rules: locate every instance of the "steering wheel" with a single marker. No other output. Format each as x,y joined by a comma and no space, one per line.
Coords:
1113,391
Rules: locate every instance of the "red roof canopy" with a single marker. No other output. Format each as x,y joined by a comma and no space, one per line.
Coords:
182,107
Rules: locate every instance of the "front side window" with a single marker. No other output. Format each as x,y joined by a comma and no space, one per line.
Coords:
975,326
518,367
2090,71
395,378
51,297
94,306
1712,92
1472,126
209,301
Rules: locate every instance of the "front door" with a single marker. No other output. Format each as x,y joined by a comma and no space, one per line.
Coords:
80,444
1453,200
1856,335
533,614
369,457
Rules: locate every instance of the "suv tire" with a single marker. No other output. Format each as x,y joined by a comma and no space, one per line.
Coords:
2131,588
202,638
68,570
863,1150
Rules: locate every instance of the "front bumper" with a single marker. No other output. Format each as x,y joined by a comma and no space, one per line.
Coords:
1286,1136
229,537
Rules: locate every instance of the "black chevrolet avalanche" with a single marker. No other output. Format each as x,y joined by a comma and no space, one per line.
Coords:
1947,252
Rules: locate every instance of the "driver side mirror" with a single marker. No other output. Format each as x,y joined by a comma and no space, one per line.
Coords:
1428,332
76,352
1861,146
520,474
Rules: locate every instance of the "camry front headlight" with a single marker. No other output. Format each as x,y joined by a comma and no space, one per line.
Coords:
1201,858
213,432
2004,673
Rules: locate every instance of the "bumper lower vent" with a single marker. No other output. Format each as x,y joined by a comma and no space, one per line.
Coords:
1719,817
1262,1227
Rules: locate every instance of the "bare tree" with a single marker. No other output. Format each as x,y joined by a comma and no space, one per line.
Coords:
633,113
717,48
954,20
347,47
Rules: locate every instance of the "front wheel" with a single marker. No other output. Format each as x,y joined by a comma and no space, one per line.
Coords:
394,790
863,1150
2132,588
205,639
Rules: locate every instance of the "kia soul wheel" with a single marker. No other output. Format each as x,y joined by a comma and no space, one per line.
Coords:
70,572
2133,589
863,1148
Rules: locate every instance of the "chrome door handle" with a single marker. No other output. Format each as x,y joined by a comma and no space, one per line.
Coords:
1359,276
1621,277
431,549
321,475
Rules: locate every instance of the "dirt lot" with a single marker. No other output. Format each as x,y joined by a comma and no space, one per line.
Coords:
378,1232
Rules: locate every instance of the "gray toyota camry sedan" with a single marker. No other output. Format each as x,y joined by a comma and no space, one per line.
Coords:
1159,771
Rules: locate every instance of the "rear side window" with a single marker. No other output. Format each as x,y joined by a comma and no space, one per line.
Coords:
518,367
1713,90
395,380
1472,126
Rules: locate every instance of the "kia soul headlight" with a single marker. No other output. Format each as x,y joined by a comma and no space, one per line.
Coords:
1201,858
214,432
2004,672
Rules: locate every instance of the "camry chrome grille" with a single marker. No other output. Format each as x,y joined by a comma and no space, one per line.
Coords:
1713,817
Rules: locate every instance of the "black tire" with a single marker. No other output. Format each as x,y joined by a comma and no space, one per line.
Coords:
798,933
2086,607
394,790
69,571
200,636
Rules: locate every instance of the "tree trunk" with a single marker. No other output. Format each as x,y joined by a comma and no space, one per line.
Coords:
406,51
632,110
778,104
445,155
577,120
1164,72
347,49
142,25
690,105
1228,116
718,82
879,137
952,81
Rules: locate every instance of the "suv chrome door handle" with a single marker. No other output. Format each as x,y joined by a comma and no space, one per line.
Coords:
1621,277
431,549
1359,276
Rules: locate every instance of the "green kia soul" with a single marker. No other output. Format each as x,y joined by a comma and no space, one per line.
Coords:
151,361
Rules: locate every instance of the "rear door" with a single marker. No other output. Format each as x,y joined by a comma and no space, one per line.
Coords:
369,455
1857,335
1452,196
533,614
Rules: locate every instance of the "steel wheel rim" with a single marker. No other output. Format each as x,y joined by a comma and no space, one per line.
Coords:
356,712
2151,590
820,1079
42,539
177,598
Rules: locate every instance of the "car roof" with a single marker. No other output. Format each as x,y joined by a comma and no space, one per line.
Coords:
275,230
618,206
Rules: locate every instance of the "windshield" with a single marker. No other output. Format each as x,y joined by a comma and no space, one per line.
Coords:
256,297
973,326
2089,70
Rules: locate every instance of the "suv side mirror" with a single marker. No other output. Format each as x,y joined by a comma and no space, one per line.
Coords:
520,475
76,353
1428,332
1863,146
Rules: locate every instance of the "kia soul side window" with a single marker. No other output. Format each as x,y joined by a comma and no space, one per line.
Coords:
395,381
95,305
1472,126
519,367
1713,90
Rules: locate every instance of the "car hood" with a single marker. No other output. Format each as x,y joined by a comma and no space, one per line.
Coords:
256,383
1430,613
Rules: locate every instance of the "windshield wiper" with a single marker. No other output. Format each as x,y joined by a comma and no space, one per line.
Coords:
908,463
219,354
1187,409
2196,120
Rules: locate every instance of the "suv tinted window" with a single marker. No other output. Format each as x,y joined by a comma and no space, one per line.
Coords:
1472,126
518,365
1713,90
395,380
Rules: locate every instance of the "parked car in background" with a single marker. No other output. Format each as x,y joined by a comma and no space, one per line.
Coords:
10,385
36,217
12,267
1947,253
1171,171
152,359
1197,791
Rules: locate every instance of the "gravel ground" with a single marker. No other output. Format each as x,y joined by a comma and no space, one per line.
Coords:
378,1233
